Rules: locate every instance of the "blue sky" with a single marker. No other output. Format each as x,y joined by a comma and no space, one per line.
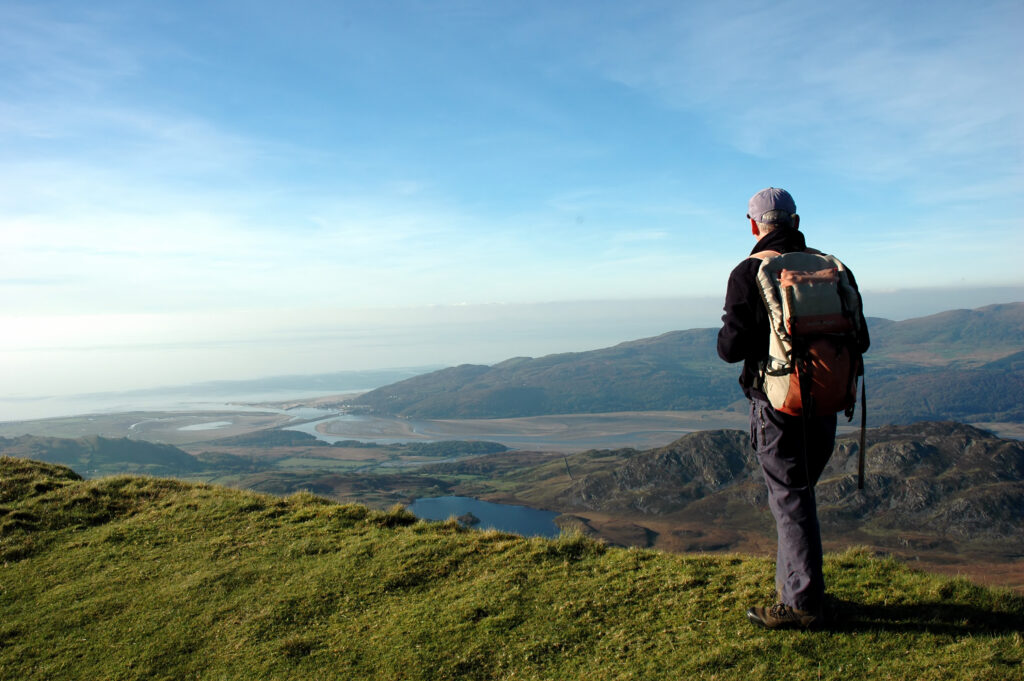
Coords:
217,190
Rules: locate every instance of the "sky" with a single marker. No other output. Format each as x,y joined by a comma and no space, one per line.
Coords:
213,190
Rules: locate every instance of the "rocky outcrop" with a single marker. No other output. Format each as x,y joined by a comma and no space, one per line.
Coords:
665,480
946,479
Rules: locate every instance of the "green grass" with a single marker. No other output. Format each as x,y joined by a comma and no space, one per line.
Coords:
316,463
144,578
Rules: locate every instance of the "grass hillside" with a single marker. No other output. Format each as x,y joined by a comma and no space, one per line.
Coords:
146,578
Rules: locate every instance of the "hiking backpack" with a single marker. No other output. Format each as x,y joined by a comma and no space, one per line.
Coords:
814,315
814,357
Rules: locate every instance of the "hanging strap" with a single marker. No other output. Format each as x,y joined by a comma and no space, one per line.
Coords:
862,450
806,407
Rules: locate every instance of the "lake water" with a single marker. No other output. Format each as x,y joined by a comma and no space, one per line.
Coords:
528,522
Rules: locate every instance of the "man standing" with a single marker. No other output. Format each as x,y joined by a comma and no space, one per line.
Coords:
792,450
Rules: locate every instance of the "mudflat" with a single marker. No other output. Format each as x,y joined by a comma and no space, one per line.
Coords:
170,427
559,433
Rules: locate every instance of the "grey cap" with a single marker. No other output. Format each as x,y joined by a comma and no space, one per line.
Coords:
770,199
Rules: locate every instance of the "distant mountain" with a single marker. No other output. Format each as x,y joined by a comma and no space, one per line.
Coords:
677,370
952,365
94,455
991,392
965,338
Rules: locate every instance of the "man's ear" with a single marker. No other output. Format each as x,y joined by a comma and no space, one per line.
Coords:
796,221
753,227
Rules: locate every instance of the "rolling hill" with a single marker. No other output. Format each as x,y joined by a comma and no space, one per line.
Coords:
677,370
94,455
953,365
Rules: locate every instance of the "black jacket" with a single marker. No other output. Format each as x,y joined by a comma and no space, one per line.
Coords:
744,333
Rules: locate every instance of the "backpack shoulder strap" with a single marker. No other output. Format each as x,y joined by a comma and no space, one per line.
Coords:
763,255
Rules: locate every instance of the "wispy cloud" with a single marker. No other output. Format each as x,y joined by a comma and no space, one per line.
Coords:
45,53
867,91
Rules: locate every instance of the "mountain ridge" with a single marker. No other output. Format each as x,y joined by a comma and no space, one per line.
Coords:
908,370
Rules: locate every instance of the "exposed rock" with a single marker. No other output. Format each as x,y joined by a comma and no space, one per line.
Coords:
663,480
947,479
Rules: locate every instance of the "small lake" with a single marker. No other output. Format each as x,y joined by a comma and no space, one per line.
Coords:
529,522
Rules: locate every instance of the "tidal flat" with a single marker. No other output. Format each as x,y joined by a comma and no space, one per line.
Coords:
170,427
560,433
556,433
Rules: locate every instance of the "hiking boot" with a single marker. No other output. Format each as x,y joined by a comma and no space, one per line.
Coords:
782,616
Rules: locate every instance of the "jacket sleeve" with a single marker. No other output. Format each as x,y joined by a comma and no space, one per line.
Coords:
737,339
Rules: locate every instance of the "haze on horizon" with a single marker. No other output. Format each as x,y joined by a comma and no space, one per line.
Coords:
223,190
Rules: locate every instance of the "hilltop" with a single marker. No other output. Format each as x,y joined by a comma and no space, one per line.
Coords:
129,577
954,365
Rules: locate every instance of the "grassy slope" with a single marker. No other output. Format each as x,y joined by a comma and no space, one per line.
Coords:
128,577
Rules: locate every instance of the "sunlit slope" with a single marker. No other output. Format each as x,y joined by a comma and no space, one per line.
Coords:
956,365
132,577
677,370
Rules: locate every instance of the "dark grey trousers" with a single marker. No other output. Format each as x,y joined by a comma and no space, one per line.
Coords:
779,440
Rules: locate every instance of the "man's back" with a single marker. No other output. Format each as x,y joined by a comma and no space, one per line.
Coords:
792,450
